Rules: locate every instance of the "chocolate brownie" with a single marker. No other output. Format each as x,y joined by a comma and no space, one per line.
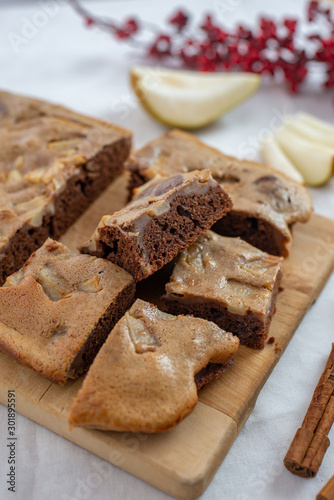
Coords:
53,164
165,216
57,310
143,378
228,281
266,203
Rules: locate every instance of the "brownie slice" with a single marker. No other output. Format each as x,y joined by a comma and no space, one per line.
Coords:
228,281
266,203
143,378
56,312
53,164
165,216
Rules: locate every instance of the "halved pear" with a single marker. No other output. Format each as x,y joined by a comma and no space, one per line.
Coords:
274,157
313,129
314,161
188,99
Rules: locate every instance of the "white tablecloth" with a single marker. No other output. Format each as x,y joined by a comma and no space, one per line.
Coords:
88,71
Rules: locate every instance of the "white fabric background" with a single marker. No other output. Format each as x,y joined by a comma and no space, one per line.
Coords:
88,71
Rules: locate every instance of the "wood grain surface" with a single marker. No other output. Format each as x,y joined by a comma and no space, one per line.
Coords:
182,462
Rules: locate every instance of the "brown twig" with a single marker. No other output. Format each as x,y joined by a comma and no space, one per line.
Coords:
311,441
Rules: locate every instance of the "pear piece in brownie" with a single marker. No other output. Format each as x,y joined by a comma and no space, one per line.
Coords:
53,164
228,281
165,216
266,203
57,310
146,376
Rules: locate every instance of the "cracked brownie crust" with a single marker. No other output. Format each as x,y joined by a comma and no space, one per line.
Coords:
57,311
265,203
229,282
165,216
53,164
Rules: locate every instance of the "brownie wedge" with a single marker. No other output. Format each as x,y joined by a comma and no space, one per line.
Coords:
57,310
144,377
266,203
229,282
53,164
165,216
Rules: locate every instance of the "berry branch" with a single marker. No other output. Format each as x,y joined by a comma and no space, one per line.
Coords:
279,49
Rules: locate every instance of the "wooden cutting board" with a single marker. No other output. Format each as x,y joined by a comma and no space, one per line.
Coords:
182,462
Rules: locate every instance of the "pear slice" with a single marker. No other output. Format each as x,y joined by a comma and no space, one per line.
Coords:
188,99
313,160
274,157
313,129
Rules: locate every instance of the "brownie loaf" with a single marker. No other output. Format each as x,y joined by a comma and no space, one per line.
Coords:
56,312
144,377
229,282
53,164
266,203
165,216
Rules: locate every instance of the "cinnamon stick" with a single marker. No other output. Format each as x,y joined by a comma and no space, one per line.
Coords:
310,443
327,492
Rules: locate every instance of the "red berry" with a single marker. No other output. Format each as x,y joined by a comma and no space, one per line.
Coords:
269,47
121,34
290,24
89,21
131,26
161,46
179,20
312,10
268,28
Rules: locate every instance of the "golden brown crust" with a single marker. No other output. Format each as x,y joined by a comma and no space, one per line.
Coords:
15,108
48,153
228,281
143,379
54,305
227,270
41,147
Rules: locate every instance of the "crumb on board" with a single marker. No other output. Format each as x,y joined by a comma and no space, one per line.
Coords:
278,347
271,340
